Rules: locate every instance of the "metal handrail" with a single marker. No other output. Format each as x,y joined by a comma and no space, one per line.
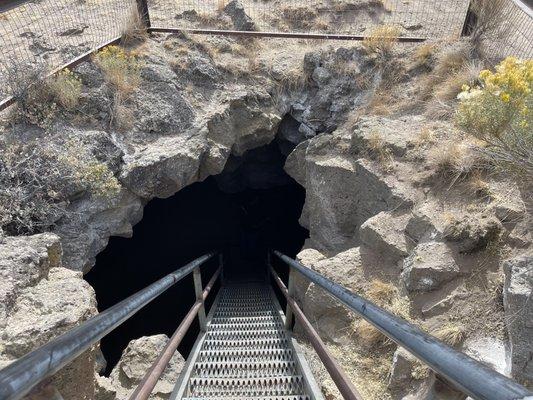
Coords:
468,375
339,377
20,377
146,386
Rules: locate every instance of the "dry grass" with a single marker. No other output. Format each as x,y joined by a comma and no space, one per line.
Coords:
381,293
369,336
492,23
378,150
455,159
382,39
134,30
423,55
221,4
425,137
452,335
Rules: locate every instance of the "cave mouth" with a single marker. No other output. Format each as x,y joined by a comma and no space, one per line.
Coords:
251,207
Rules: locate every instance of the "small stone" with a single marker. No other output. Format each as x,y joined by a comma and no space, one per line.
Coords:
384,233
429,266
400,375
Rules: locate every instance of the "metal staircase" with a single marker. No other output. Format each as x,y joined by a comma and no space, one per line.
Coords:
245,349
246,353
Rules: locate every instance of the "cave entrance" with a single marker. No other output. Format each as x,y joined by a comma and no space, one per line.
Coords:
251,207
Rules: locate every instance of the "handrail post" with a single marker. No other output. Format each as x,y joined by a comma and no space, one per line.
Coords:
221,266
198,289
289,316
142,7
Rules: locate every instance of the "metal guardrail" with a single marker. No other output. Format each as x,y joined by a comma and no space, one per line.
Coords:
20,377
466,374
339,377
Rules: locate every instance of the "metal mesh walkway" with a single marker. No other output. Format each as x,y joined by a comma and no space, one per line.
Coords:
246,353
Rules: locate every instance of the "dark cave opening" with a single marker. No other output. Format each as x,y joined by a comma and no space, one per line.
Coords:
249,208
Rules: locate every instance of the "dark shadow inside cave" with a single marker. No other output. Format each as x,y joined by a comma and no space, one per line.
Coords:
251,207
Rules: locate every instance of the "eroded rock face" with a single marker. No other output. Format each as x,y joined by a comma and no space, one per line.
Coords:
136,359
518,302
335,205
41,300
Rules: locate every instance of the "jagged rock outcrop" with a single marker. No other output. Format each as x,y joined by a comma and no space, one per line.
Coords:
518,303
40,300
335,206
136,359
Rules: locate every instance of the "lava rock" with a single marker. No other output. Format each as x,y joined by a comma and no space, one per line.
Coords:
241,20
518,304
472,233
384,233
429,266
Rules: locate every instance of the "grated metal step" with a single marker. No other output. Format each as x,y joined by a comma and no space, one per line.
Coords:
245,353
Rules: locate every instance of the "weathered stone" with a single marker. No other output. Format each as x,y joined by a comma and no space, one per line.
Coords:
136,359
24,261
420,228
163,167
55,304
440,306
428,267
241,21
400,375
489,351
331,318
335,205
84,237
518,304
384,233
472,233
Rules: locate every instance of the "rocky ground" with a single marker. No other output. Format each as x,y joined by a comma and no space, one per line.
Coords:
389,217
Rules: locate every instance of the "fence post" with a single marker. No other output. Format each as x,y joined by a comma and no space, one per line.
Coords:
142,7
289,316
198,289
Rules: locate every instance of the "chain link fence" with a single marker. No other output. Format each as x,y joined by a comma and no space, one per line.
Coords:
51,33
47,34
420,18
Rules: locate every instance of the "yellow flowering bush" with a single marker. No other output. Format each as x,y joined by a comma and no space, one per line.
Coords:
499,112
121,68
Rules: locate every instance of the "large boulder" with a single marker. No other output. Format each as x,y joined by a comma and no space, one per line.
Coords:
24,261
42,300
336,204
136,359
332,319
429,266
518,304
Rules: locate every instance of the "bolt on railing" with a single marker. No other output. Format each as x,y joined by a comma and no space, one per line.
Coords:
466,374
23,375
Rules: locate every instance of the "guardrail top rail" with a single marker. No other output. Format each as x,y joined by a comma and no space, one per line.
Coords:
20,377
467,374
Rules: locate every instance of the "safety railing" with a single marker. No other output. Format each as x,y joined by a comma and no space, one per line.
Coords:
23,375
463,372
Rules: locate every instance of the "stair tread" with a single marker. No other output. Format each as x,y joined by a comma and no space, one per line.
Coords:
246,353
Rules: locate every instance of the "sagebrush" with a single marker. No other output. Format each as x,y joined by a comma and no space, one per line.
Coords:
498,111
